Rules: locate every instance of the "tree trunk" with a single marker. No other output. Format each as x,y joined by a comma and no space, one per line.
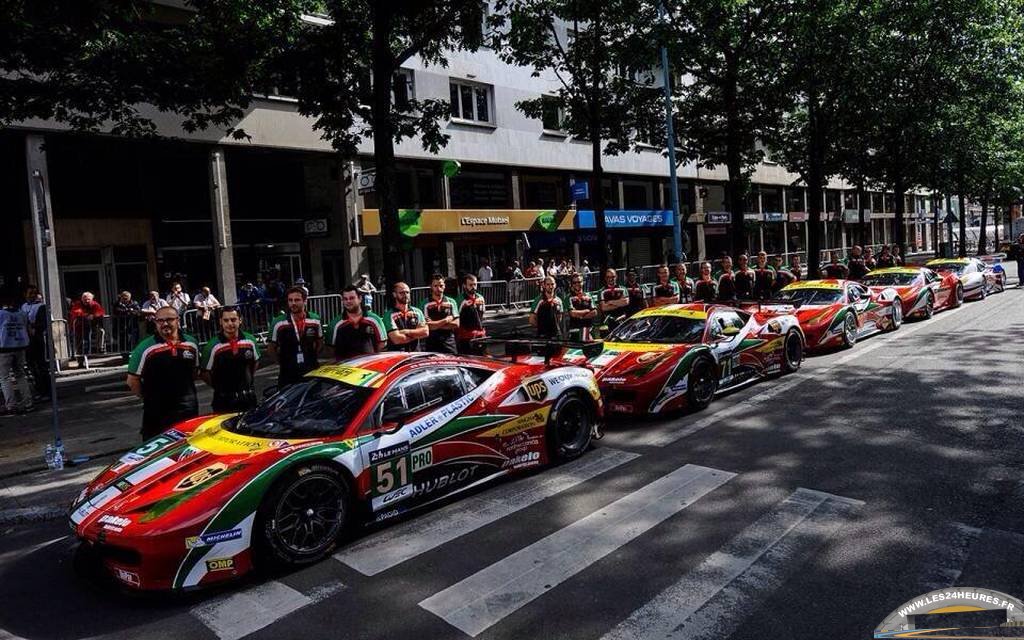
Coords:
899,229
815,187
963,214
861,231
597,199
983,234
736,187
384,144
936,228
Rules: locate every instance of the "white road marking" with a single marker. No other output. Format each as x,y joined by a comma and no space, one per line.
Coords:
483,599
709,601
391,547
235,616
667,433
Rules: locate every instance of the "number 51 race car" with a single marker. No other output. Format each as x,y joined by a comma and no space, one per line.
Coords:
365,440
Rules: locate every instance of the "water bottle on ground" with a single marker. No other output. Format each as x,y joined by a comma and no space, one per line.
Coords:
49,453
58,455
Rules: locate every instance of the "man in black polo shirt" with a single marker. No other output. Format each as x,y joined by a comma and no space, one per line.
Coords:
442,318
471,317
228,364
162,370
356,330
296,338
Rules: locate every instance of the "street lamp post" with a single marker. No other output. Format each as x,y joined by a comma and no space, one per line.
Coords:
44,239
677,231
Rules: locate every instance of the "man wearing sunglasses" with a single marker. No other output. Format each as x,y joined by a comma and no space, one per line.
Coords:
162,371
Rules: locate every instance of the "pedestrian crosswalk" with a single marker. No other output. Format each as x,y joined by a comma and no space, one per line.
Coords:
702,603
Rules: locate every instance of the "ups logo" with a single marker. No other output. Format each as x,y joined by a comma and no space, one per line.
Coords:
220,564
537,390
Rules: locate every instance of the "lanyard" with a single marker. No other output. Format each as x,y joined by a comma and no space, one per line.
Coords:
299,325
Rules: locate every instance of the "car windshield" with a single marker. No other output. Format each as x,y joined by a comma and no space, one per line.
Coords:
660,329
805,296
888,279
955,267
312,408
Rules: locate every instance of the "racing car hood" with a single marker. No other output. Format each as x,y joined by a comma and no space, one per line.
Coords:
626,362
805,314
179,477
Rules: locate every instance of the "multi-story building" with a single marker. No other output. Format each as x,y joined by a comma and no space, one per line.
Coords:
210,210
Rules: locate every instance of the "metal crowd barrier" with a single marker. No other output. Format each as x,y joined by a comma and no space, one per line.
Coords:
496,294
522,292
326,306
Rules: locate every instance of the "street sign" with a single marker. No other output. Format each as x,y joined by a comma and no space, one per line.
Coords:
316,227
798,216
366,181
774,216
718,217
580,190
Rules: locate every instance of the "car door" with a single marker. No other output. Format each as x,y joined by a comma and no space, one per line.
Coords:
400,457
941,293
860,298
726,330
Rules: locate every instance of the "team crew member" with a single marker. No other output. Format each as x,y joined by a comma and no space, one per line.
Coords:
796,268
637,298
471,307
162,371
764,277
835,269
581,311
666,291
296,338
705,289
885,258
442,318
405,324
613,299
855,264
725,281
684,281
783,276
546,310
228,364
744,278
356,330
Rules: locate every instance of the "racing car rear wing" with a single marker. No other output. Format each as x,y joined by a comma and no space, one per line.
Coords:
516,348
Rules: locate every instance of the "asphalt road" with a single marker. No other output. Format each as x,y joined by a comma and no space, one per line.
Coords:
804,507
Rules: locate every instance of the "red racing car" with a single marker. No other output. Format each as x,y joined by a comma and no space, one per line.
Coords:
679,356
835,313
921,290
365,440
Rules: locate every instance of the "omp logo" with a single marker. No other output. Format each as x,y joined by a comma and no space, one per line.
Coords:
220,564
201,476
536,390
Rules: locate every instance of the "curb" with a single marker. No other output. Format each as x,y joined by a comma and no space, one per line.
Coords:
28,515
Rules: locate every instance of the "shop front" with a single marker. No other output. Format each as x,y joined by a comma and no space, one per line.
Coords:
455,241
640,236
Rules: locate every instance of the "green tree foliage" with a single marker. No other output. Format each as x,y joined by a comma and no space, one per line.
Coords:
605,69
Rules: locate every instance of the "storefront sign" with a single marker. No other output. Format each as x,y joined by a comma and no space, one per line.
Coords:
580,190
316,227
366,181
718,217
798,216
852,216
620,219
774,216
415,222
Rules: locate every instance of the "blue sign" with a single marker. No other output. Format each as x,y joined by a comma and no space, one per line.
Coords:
580,190
774,216
626,218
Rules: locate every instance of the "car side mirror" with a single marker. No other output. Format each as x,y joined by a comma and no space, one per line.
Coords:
388,427
270,391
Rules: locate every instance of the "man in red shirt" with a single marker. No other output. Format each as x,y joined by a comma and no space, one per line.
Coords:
86,316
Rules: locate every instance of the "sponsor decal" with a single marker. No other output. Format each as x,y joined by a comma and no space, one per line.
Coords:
127,577
393,451
523,460
422,458
188,354
813,284
970,611
150,447
613,379
212,538
123,485
669,311
650,356
525,422
391,498
220,564
186,453
117,521
440,483
349,375
199,477
620,407
536,390
445,413
129,459
110,527
775,326
278,444
387,515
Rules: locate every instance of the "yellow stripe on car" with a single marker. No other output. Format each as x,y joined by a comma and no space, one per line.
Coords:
812,284
672,311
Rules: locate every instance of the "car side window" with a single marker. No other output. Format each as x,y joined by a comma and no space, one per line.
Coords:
716,325
418,392
732,319
473,378
855,293
442,386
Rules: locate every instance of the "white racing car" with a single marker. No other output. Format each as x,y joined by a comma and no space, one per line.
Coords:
978,278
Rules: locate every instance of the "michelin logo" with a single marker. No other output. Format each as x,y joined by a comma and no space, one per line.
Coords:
212,538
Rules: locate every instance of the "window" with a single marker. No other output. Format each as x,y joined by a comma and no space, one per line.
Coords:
402,91
421,391
471,102
552,113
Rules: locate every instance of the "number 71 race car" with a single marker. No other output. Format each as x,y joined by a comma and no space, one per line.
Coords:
365,440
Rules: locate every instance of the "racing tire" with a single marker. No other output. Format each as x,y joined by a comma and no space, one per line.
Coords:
850,330
702,384
570,427
792,352
958,297
897,315
984,292
302,517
